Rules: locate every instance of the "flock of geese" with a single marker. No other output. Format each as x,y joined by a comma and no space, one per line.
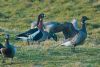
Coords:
41,31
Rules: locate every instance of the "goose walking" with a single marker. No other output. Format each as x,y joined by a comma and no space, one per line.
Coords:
8,51
79,35
36,34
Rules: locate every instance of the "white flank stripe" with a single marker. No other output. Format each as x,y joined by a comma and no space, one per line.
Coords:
33,35
67,44
23,38
15,50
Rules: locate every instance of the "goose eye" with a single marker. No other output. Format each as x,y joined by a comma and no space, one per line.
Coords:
42,15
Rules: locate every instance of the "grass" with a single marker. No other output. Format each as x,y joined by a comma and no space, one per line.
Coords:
30,56
16,17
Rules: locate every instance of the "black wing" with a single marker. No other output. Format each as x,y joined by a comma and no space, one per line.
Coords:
25,34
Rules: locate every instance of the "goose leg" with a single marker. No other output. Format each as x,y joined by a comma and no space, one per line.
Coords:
38,42
73,48
32,42
3,59
11,60
28,42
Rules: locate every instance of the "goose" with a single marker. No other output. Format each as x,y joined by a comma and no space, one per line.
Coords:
56,27
79,36
8,51
35,34
40,25
32,34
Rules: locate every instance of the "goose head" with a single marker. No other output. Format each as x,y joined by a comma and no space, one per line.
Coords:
40,21
7,36
84,19
7,40
41,16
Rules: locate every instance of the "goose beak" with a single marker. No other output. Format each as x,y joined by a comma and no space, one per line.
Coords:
44,15
54,37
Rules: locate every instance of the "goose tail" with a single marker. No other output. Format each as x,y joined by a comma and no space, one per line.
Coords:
68,43
21,38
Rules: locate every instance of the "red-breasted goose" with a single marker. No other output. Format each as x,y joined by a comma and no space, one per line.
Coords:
35,34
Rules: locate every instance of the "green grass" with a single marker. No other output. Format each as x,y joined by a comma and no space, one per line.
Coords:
16,17
27,56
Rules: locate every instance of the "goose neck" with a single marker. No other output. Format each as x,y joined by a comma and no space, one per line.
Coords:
40,23
6,42
84,27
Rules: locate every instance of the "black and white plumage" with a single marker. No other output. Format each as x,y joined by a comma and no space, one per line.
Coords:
8,51
79,36
30,35
35,34
51,27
